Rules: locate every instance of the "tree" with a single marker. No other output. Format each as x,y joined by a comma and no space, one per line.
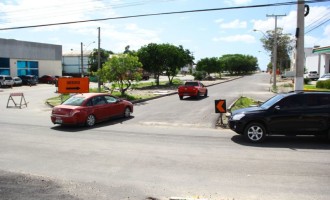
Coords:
209,65
157,58
93,59
121,69
239,64
284,46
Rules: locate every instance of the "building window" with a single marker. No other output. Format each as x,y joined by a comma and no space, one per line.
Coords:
4,66
27,68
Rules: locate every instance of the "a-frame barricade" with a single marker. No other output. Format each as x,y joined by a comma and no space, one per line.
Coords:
20,102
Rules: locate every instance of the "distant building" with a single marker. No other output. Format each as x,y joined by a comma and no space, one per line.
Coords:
72,63
29,58
316,59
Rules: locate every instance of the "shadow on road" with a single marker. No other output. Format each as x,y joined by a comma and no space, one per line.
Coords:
74,128
194,98
294,143
22,186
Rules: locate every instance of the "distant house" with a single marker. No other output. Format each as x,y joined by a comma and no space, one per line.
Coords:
73,65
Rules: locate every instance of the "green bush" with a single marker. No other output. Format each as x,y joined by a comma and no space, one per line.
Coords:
323,84
307,81
199,75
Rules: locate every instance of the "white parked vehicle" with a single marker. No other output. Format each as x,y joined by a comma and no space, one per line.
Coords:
313,75
324,77
6,80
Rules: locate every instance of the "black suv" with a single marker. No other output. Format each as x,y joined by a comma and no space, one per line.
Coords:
296,113
29,80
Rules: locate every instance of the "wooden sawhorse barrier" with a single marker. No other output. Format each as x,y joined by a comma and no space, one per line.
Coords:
21,103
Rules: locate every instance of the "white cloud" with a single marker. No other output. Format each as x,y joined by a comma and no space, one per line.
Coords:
36,12
236,38
237,2
327,31
234,24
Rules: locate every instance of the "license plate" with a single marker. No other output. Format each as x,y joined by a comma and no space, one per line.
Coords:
58,120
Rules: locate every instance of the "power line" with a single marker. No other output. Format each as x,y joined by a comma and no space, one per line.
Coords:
318,26
167,13
87,6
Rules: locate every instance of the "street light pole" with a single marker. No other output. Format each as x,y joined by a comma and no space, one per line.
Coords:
81,60
275,50
99,58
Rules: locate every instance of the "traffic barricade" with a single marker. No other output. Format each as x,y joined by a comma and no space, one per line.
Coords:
19,102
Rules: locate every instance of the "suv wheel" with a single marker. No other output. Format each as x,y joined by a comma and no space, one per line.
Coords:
255,132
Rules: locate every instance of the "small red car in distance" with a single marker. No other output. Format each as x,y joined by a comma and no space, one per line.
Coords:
192,89
47,79
90,108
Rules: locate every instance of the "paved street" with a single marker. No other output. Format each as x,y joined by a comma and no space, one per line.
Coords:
169,148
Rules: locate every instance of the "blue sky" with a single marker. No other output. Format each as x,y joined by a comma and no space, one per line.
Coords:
206,34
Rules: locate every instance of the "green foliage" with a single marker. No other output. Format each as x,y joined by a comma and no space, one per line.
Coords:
323,84
307,80
121,69
199,75
157,58
244,102
209,65
239,64
284,46
93,59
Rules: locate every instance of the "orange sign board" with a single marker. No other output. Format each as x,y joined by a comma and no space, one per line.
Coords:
220,106
73,85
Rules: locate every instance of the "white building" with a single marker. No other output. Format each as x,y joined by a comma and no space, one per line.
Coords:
316,59
29,58
73,65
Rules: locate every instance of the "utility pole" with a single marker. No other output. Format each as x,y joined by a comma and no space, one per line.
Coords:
300,55
81,60
275,49
99,59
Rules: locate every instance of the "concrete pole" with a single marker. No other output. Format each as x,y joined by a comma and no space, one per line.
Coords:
99,59
275,50
275,55
300,57
81,60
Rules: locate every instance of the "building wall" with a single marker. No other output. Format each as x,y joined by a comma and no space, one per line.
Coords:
316,62
72,63
48,56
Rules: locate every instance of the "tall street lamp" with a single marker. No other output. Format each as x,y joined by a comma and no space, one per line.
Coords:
274,55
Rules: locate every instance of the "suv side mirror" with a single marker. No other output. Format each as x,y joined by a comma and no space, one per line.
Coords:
277,108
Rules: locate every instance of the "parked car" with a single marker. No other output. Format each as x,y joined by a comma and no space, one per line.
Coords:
193,89
90,108
324,77
296,113
313,75
17,81
6,81
47,79
29,80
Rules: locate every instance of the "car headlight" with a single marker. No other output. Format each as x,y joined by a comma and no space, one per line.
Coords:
238,116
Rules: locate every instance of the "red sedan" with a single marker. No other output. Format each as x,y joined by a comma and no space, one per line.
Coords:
47,79
90,108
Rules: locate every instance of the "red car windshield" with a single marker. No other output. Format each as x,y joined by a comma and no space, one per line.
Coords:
74,101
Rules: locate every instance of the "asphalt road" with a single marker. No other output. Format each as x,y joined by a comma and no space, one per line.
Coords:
169,148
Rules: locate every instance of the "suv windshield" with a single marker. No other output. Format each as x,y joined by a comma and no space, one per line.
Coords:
271,101
8,78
